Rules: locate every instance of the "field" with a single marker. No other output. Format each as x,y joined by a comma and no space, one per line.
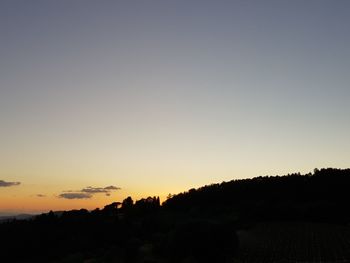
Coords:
295,242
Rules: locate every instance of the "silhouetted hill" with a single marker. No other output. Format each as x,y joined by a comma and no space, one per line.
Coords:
290,218
318,196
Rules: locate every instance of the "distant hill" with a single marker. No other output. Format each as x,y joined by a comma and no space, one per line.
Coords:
16,217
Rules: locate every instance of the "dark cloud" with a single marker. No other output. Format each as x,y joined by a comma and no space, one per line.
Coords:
96,190
7,184
111,187
40,195
72,195
88,192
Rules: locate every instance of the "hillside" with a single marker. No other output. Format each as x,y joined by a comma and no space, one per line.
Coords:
318,196
290,218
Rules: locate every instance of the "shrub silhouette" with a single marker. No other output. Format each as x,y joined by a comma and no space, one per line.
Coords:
203,241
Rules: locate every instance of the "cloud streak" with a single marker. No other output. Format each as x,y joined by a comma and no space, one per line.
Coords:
96,190
8,184
75,196
88,192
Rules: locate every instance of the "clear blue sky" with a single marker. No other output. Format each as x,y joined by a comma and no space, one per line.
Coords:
161,96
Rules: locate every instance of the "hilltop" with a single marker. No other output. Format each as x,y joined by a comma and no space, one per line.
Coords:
319,196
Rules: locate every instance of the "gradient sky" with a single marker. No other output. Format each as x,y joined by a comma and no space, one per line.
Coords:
157,97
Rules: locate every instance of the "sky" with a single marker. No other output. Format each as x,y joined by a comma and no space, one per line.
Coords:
100,100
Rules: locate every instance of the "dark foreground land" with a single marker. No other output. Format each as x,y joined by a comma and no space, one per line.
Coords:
294,242
292,218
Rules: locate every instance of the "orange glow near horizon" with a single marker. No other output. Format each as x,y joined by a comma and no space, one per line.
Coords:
34,204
